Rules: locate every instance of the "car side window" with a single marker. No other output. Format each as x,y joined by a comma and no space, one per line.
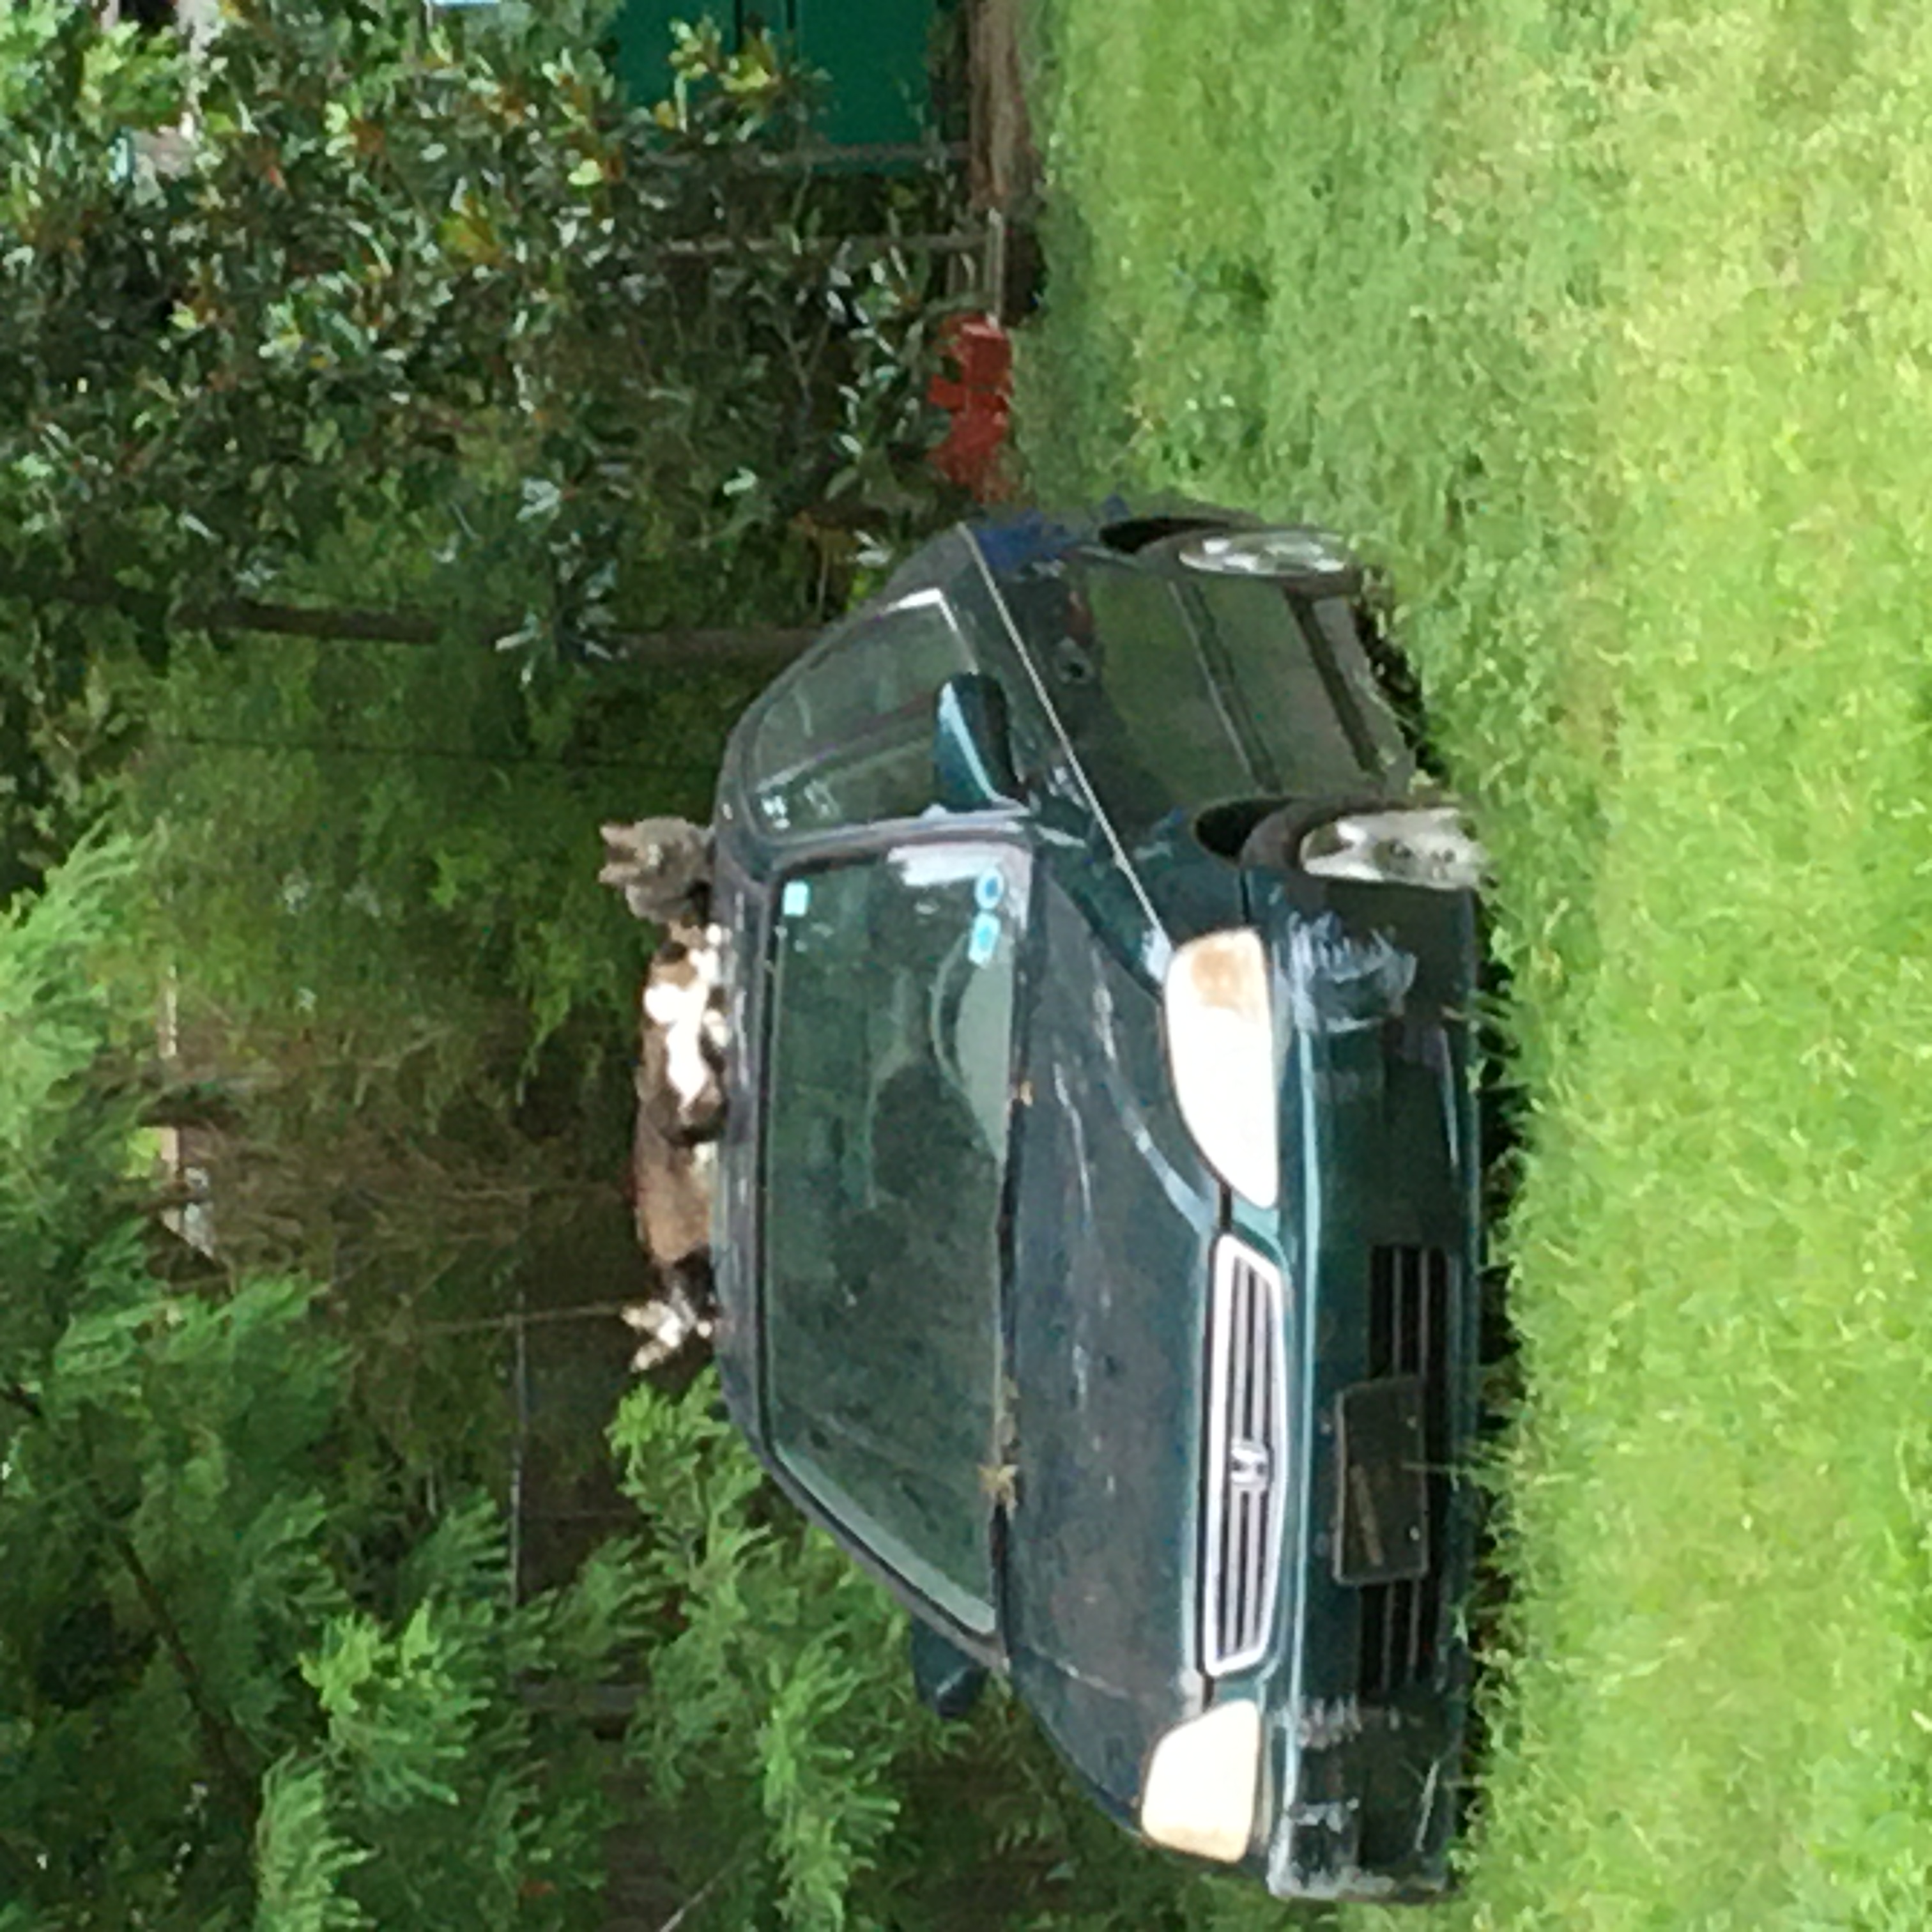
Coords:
848,740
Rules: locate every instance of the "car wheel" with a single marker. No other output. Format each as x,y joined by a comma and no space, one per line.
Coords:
1379,841
1296,555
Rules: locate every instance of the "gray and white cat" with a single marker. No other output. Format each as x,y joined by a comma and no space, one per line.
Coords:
662,866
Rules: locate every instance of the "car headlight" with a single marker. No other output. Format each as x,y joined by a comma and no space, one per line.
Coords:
1220,1050
1202,1781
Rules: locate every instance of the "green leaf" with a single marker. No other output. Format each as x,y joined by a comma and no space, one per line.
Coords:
301,1856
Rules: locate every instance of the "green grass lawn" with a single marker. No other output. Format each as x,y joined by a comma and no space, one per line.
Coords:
1609,327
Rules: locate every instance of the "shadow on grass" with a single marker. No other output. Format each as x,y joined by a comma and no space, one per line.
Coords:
1503,1111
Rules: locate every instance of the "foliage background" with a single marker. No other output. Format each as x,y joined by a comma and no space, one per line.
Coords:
335,474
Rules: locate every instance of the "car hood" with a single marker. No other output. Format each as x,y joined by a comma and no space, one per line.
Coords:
1114,1220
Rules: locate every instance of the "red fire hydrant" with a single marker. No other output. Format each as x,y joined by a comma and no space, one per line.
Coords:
980,403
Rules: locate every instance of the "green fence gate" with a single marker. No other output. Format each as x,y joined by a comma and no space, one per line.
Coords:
878,55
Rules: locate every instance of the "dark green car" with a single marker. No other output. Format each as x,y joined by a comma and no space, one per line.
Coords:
1097,1230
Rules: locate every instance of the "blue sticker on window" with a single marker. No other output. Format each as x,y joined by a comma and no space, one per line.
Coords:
797,897
989,889
984,941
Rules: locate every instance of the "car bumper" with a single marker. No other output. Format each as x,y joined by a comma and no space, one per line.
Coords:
1379,1235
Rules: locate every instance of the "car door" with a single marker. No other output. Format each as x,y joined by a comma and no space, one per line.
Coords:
1123,668
1296,680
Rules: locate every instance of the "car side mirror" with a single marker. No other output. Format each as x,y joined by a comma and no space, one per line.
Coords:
948,1681
972,745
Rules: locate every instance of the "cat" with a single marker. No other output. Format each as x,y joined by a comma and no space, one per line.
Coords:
682,1010
682,1316
662,867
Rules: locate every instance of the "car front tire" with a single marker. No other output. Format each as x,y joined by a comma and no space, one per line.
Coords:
1299,556
1421,842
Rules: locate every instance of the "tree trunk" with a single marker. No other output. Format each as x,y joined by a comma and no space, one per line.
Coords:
773,644
765,643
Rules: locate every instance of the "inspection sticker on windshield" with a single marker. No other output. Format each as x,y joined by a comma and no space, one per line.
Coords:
989,889
797,896
984,941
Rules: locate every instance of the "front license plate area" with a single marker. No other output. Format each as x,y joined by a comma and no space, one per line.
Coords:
1382,1512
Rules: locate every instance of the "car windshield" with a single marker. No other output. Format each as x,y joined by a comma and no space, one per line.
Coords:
885,1152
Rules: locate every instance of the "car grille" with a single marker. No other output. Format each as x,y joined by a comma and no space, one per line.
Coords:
1397,1643
1247,1427
1408,1335
1408,1313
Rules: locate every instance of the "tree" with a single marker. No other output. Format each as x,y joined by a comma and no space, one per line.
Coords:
770,1730
246,1674
428,286
408,264
423,296
786,1760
